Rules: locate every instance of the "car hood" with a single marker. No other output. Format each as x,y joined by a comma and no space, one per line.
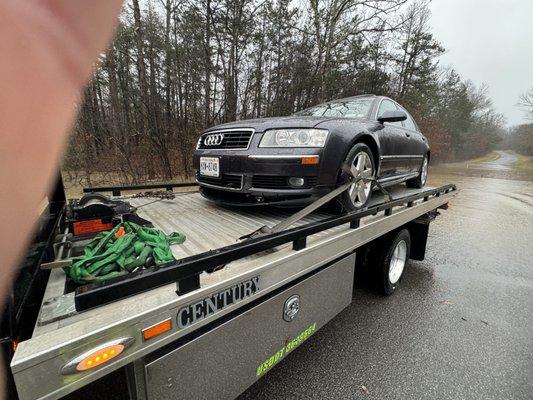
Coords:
347,123
263,124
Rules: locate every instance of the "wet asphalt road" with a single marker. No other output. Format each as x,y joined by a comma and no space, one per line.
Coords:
503,163
459,327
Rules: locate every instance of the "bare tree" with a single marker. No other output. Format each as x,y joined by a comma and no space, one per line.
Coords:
526,101
179,66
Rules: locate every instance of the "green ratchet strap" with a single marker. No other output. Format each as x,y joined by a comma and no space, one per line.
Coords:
121,250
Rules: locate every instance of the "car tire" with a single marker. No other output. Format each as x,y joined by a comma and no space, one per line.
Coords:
392,257
358,195
421,179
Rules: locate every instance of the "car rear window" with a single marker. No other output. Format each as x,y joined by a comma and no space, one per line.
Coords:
341,109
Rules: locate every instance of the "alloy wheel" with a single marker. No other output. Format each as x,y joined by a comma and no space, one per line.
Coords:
362,172
397,262
424,172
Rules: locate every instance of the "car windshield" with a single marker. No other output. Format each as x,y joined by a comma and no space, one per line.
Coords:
358,108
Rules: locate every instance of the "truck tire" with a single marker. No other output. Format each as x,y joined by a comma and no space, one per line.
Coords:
358,195
422,177
393,256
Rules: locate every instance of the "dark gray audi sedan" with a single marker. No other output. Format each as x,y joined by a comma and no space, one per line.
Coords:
294,160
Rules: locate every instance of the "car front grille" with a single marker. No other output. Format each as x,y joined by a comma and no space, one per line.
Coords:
280,182
227,181
234,139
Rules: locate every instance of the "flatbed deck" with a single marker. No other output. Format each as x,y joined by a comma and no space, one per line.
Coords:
61,332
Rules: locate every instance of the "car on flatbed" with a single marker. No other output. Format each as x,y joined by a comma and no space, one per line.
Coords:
295,160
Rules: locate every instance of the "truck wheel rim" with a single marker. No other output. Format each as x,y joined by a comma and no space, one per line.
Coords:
397,262
362,171
424,172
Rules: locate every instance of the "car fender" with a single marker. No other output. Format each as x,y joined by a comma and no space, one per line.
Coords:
343,136
371,140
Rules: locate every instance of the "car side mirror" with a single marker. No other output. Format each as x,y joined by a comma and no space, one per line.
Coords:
392,116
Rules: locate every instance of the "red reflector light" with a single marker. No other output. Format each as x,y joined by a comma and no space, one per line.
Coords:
90,226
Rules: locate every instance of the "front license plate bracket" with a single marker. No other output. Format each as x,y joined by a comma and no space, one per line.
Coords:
210,166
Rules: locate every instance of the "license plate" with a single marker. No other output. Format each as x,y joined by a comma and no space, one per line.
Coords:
209,166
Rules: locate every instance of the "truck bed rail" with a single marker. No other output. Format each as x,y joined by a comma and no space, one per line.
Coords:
186,271
117,190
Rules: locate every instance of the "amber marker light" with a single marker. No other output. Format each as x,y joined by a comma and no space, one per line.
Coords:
310,160
157,329
97,356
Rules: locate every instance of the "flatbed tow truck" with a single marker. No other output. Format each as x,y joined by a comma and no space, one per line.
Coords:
209,324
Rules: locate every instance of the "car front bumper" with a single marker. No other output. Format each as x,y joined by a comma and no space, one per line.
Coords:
262,176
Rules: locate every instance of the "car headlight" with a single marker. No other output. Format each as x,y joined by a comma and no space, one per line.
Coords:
294,138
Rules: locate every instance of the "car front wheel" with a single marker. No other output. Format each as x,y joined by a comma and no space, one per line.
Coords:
361,164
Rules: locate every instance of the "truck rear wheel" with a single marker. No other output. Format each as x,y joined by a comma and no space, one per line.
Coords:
392,260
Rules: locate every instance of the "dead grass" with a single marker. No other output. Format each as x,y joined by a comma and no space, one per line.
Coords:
524,164
522,170
492,156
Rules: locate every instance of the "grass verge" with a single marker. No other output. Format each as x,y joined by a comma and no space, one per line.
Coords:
492,156
523,164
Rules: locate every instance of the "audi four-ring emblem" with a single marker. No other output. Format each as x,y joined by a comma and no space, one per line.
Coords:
214,139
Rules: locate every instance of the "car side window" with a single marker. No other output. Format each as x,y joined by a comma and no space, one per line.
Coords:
387,105
409,123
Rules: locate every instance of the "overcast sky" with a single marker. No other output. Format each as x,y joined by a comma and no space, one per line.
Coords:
489,41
